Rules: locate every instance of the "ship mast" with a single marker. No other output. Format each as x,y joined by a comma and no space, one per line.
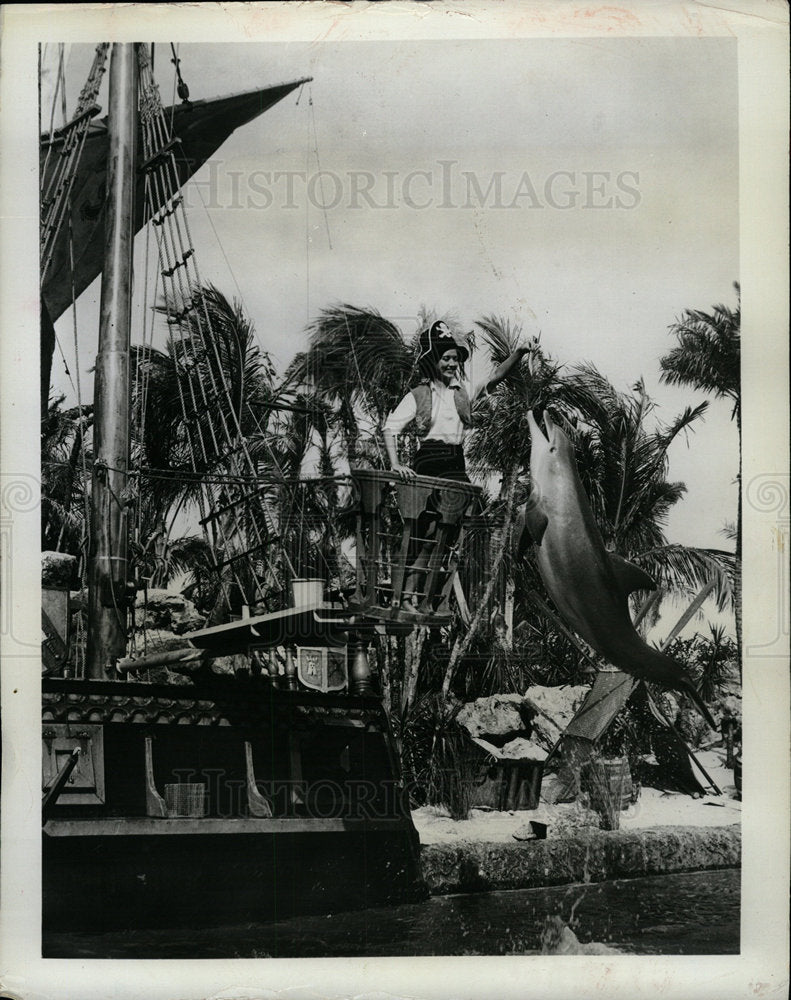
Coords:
107,562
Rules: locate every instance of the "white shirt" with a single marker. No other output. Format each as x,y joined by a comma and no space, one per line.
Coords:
445,423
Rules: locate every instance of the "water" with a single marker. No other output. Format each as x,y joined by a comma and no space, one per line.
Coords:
688,914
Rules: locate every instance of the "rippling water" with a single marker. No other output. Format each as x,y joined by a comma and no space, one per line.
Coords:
689,914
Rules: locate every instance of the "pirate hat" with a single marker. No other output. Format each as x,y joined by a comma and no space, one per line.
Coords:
437,339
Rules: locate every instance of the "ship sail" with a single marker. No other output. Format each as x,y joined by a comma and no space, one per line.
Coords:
201,127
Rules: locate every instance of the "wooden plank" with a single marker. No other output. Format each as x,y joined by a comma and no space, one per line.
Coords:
149,826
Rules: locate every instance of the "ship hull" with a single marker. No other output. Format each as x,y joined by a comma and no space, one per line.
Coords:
339,836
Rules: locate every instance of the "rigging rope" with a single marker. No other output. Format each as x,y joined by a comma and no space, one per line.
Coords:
198,476
81,432
211,413
57,185
318,164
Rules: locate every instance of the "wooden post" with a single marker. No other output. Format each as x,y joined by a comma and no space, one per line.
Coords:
107,566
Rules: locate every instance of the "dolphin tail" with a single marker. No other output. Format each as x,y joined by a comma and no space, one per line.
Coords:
689,689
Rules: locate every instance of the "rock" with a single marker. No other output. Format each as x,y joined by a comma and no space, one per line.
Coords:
551,709
532,830
516,749
166,611
520,748
58,570
498,715
161,617
730,707
157,641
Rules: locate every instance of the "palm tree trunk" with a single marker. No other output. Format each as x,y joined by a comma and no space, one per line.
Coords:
414,644
462,644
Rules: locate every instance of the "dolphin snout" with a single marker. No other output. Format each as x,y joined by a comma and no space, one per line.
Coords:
535,429
536,433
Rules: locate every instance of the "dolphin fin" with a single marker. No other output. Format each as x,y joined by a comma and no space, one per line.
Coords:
534,522
629,576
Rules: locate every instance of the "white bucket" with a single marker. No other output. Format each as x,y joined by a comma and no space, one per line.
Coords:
307,591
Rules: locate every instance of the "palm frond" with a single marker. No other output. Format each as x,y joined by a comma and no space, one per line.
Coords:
683,569
707,352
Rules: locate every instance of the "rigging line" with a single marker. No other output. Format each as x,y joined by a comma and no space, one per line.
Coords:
57,88
175,61
225,541
198,477
194,295
77,369
362,386
318,164
219,241
161,177
65,364
202,303
307,222
62,70
173,350
235,418
180,338
142,379
55,192
167,243
42,52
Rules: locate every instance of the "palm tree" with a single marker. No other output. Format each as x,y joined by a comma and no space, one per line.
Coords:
707,356
501,445
623,466
359,363
65,461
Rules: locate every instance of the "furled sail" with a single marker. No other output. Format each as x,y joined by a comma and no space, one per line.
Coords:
202,127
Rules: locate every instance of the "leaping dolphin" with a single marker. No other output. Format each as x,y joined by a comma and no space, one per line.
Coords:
588,584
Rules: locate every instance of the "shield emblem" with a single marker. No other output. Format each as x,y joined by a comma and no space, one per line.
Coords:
322,669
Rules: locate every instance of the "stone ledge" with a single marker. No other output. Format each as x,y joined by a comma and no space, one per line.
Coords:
594,856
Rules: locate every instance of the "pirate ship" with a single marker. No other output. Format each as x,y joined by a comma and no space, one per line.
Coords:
212,794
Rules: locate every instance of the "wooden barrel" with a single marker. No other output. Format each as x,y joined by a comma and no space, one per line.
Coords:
609,785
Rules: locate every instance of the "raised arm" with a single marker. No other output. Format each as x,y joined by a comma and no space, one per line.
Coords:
502,370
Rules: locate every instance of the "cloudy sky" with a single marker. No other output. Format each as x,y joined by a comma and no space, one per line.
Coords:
586,188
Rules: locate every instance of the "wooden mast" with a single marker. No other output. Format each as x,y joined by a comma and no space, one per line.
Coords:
107,562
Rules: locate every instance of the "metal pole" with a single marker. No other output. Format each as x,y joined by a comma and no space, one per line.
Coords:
107,568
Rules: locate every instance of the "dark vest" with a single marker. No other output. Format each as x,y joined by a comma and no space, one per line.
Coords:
422,394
